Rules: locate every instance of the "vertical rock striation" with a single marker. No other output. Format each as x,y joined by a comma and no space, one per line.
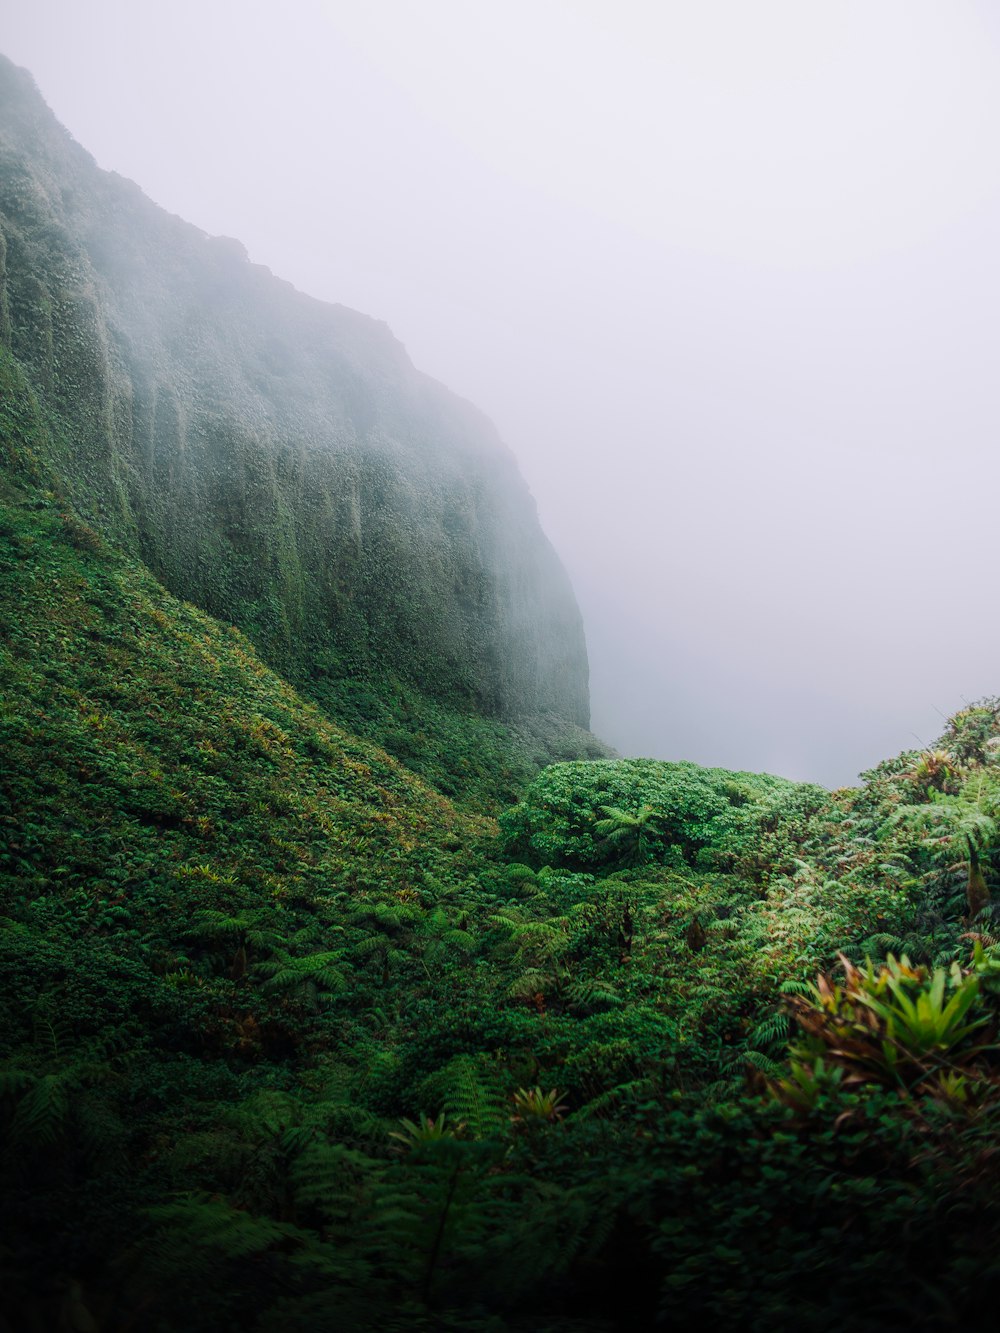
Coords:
274,459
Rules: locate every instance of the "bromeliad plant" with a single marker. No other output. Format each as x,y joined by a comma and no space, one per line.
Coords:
417,1133
900,1026
532,1106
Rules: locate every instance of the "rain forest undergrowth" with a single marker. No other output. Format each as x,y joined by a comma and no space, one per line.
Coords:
293,1040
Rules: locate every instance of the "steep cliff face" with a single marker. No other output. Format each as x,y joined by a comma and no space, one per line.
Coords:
276,460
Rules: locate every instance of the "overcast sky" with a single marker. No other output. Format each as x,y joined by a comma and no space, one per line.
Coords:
724,272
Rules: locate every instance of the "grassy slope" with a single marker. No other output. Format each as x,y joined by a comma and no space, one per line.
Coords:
192,860
127,708
480,763
153,769
137,729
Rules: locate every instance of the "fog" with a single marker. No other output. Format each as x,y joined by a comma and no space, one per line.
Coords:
725,276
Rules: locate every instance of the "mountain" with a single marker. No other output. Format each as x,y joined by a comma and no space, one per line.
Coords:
294,1034
278,461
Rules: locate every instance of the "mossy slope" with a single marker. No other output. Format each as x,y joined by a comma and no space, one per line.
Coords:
273,459
141,739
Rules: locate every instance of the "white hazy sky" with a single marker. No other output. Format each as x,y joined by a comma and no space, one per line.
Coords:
725,273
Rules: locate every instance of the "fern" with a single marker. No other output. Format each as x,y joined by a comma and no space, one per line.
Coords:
547,1229
795,986
334,1179
764,1064
469,1088
533,940
254,928
314,977
476,1097
611,1101
433,1206
47,1089
536,981
442,941
14,1082
586,995
722,1089
883,943
769,1031
43,1111
194,1235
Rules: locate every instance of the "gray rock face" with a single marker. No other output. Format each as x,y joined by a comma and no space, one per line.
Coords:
274,459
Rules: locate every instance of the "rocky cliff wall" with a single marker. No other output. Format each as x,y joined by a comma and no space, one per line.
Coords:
274,459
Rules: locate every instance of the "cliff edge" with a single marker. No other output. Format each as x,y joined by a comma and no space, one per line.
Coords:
274,459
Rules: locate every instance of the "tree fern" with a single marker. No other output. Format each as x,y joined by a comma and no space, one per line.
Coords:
196,1234
442,941
255,927
432,1204
530,938
962,825
587,995
473,1094
531,984
626,836
315,978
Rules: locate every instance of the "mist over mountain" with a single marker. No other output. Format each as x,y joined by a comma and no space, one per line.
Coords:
347,981
276,460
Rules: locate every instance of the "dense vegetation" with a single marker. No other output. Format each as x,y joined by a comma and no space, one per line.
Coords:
292,1042
303,1031
279,462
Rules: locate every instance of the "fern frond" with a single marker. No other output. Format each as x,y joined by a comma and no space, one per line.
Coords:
883,942
587,994
292,973
200,1226
14,1081
475,1096
721,1090
770,1030
795,986
764,1063
43,1112
613,1098
329,1176
529,984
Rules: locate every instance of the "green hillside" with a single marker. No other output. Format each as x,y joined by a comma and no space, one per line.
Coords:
291,1042
280,463
300,1034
